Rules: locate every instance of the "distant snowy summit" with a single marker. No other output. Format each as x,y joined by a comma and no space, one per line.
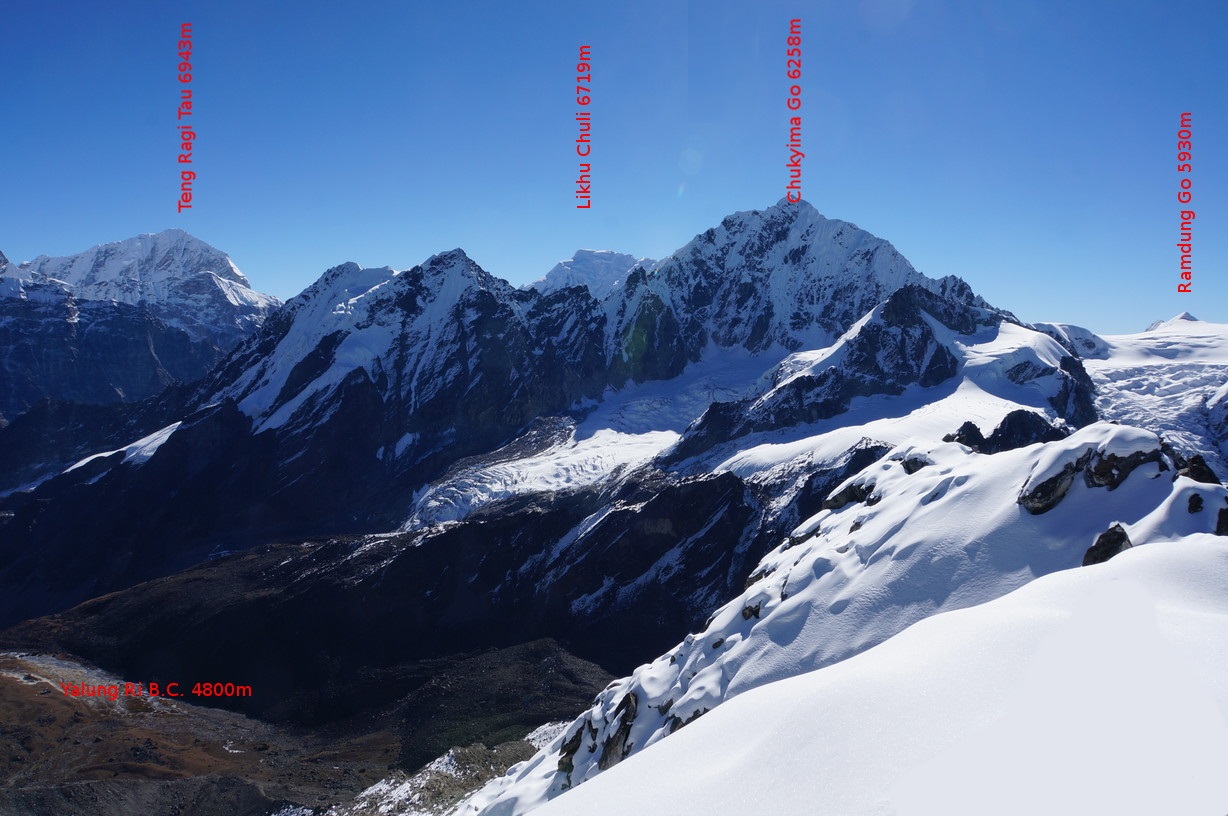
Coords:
600,270
181,279
1181,318
120,322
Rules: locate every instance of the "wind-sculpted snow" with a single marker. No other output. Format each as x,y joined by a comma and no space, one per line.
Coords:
929,527
1095,690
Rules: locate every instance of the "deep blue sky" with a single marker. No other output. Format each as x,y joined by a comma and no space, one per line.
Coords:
1027,146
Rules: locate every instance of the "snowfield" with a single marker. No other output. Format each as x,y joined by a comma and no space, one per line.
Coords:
920,636
1165,379
928,528
1095,690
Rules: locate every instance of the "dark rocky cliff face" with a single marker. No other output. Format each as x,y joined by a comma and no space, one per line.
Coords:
259,536
371,383
895,348
91,352
120,322
665,550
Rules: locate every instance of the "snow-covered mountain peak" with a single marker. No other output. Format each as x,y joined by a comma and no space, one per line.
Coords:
398,329
783,276
136,269
338,285
184,281
366,294
600,270
1184,317
121,321
455,266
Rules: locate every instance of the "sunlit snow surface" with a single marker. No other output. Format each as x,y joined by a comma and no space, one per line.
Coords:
139,452
199,287
948,536
627,429
601,271
1097,690
570,465
631,426
1162,380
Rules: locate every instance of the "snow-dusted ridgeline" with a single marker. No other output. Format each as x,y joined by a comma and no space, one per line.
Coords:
1097,690
930,527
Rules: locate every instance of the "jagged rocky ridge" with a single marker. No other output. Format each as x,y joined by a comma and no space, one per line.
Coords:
928,527
329,422
120,322
372,382
908,340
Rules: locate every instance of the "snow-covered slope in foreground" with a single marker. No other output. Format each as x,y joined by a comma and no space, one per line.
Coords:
928,528
1094,690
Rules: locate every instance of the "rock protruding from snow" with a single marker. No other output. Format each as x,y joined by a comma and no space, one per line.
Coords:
1104,454
1012,707
1017,429
910,542
1111,542
915,338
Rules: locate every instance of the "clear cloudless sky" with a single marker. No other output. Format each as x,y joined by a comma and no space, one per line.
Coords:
1028,146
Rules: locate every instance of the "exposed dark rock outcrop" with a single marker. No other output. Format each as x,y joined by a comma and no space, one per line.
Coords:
1075,400
1098,469
617,744
1108,544
896,349
1045,496
1196,468
1017,429
819,485
967,434
850,494
1108,470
